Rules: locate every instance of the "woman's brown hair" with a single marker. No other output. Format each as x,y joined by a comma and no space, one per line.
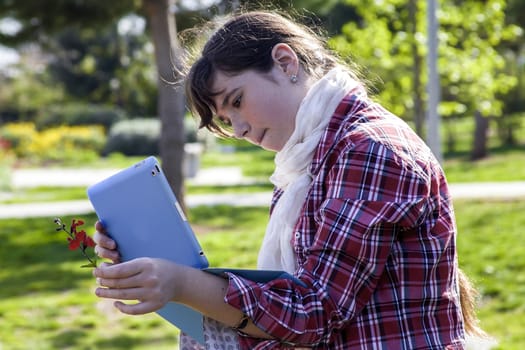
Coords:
245,42
468,296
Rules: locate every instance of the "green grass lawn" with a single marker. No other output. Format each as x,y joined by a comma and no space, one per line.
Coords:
500,165
492,252
47,300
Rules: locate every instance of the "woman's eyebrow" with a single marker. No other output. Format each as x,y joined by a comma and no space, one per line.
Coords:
227,97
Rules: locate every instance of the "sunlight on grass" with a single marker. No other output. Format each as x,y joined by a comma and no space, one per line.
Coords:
495,168
254,161
491,253
47,301
230,236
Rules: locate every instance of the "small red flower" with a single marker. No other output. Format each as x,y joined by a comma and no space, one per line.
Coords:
74,243
89,242
78,239
76,223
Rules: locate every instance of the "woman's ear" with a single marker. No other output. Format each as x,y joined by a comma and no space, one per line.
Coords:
284,57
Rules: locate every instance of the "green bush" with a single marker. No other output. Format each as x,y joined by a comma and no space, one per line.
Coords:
54,144
140,136
18,136
134,137
79,114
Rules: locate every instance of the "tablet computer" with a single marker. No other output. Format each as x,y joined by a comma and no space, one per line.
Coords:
140,212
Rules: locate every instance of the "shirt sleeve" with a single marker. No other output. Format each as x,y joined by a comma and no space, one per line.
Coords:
368,194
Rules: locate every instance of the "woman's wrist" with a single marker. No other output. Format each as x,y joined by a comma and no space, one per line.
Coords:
182,281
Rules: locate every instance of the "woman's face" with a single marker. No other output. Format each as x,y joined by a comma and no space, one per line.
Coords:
260,107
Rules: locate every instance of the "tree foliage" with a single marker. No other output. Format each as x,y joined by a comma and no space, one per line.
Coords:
27,94
107,68
514,54
380,41
481,51
41,18
471,68
44,18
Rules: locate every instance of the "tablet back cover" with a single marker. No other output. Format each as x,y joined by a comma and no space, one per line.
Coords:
140,212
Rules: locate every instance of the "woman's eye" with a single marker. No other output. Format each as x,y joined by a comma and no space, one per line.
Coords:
237,102
225,121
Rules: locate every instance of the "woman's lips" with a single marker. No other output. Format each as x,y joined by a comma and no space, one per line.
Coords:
262,137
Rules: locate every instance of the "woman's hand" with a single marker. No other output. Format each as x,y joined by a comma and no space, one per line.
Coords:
105,246
150,281
153,282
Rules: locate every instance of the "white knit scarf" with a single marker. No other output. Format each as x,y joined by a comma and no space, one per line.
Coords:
292,164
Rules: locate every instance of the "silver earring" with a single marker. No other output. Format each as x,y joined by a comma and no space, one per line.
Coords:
293,79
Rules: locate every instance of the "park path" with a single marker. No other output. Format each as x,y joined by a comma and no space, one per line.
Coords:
214,176
27,178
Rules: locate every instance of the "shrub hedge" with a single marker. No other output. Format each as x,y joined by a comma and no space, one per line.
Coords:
76,131
140,136
134,137
53,144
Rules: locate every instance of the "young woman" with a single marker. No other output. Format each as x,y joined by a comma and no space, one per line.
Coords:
361,211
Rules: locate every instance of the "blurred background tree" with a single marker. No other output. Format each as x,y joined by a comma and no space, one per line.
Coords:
84,62
87,55
111,66
81,37
389,38
514,55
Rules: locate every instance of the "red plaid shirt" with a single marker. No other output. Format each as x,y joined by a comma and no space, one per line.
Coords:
375,246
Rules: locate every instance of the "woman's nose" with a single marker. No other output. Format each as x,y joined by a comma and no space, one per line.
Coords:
240,128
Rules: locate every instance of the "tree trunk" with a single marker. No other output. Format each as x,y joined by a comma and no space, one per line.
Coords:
416,70
479,147
171,102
